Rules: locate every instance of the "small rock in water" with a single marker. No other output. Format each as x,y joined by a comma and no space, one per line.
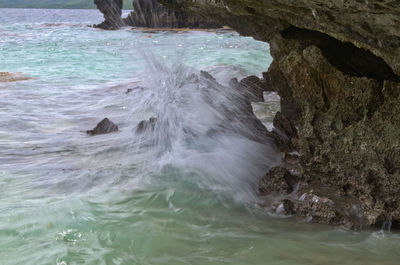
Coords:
105,126
146,124
129,90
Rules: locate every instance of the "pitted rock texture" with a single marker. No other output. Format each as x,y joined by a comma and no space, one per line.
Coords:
112,11
336,67
349,133
151,14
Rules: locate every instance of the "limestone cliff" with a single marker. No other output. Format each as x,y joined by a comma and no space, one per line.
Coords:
336,66
150,13
112,11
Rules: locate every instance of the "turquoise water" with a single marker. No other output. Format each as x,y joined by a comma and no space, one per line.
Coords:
178,195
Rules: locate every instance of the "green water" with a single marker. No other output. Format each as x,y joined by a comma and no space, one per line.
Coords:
66,198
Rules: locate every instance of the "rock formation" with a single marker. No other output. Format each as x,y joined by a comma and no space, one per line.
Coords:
146,125
150,13
337,69
112,11
103,127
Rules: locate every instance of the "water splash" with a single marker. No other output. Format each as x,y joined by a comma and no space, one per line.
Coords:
201,127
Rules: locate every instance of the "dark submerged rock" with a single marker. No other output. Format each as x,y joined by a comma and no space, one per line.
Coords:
145,125
104,127
129,90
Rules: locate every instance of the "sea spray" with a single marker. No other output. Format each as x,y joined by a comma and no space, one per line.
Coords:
203,129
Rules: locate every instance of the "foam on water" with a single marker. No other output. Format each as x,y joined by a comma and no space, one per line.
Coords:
202,127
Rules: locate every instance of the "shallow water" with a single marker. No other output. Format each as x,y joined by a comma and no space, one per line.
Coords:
181,194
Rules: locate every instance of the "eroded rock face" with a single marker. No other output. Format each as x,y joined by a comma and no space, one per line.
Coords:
151,14
112,10
336,67
349,130
372,24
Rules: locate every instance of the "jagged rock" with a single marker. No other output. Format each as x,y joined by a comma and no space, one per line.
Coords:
288,207
105,126
145,125
336,67
112,11
284,133
291,162
281,141
152,14
284,125
252,84
256,87
234,83
267,83
278,181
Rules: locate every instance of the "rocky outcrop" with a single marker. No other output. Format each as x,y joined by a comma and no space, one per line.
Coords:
12,77
151,14
103,127
336,67
146,125
112,11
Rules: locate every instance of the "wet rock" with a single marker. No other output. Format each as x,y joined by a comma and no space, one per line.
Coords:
207,75
278,181
253,85
104,127
112,11
284,133
129,90
325,205
234,83
291,162
267,82
281,141
256,87
284,125
145,125
330,205
288,207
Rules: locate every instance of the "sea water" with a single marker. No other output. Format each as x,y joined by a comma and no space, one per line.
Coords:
184,192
